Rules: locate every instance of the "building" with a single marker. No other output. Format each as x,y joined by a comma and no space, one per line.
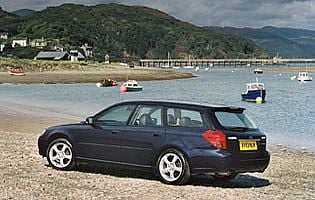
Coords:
75,55
87,50
22,42
1,47
38,43
4,35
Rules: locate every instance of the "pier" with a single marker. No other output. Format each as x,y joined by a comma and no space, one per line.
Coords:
221,62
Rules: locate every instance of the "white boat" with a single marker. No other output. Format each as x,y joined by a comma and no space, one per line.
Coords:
304,76
258,71
130,86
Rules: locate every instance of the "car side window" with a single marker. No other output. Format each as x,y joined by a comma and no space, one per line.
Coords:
148,116
115,116
184,118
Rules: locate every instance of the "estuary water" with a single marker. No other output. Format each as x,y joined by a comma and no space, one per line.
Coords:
287,117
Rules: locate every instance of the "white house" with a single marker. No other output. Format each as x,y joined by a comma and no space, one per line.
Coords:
4,36
19,41
1,47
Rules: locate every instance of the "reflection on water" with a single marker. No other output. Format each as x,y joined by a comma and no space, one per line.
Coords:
287,117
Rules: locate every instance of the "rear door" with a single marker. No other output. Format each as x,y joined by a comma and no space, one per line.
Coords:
143,136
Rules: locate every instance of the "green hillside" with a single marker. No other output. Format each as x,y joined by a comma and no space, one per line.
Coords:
130,33
287,42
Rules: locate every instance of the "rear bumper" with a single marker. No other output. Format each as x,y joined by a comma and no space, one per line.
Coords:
217,161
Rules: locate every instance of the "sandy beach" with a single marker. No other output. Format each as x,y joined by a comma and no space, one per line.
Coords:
26,175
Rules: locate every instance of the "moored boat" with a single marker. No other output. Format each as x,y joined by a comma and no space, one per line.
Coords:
106,83
304,76
255,92
15,72
130,86
258,71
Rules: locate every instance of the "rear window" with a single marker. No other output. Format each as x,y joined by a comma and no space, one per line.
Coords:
232,120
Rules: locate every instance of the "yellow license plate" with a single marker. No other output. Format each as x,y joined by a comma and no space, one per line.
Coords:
248,145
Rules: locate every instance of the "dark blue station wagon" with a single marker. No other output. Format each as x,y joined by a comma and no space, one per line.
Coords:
175,139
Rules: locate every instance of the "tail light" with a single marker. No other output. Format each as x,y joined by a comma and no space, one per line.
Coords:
216,138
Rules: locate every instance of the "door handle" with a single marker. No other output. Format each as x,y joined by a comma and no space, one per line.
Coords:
115,132
157,134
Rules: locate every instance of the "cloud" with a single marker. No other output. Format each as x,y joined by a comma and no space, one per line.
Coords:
238,13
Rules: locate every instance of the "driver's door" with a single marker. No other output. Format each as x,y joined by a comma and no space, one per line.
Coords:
102,139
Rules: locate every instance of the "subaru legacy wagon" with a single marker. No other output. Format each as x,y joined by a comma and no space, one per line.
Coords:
174,139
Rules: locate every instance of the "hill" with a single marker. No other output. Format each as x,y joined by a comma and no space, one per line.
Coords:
23,12
287,42
8,22
131,32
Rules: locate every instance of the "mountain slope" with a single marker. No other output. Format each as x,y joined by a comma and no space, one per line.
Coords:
23,12
288,42
131,32
8,22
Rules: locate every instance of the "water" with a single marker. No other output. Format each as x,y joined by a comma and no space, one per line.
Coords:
287,117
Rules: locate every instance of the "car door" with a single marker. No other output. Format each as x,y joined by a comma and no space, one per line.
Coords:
143,136
102,140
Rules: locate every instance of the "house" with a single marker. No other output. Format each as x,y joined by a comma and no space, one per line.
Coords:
38,43
75,55
1,47
87,50
22,42
58,55
4,35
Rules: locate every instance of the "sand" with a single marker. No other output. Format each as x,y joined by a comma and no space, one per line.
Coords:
26,175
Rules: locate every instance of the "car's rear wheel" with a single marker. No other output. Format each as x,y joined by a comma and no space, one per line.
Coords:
172,167
60,154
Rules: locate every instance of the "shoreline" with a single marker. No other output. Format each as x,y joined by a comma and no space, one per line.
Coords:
25,174
70,77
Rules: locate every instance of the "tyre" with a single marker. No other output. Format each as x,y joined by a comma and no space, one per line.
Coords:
60,154
172,167
227,177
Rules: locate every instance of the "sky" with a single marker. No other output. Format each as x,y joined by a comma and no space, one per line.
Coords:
236,13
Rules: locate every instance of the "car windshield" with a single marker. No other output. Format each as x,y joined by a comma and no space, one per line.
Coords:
235,121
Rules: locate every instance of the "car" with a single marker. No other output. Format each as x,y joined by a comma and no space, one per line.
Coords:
173,138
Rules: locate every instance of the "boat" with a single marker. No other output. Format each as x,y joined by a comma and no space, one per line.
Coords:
15,72
130,86
255,92
258,71
107,83
304,76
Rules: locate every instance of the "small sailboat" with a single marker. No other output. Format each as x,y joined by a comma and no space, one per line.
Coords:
255,92
168,62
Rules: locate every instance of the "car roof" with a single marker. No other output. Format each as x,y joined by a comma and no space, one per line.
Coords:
181,103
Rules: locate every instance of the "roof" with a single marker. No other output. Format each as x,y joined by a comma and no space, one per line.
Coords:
56,55
184,103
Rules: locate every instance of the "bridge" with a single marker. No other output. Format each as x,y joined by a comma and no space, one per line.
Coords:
221,62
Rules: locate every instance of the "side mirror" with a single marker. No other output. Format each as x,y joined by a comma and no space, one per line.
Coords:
89,120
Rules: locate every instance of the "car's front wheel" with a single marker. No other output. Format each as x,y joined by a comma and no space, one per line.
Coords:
172,167
60,154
